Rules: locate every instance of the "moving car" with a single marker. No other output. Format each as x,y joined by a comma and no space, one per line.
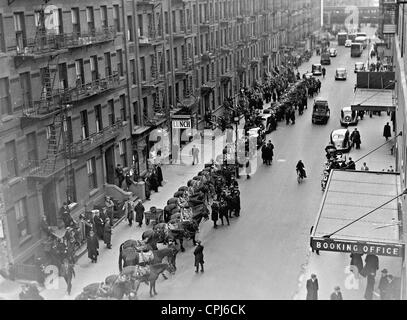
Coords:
340,140
348,43
316,69
325,58
348,116
320,111
359,66
340,74
333,52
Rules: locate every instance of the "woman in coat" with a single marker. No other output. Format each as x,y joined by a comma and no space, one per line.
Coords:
107,234
139,208
98,223
199,257
154,181
159,175
147,188
92,245
215,214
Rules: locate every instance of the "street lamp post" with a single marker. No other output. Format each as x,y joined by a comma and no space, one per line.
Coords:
236,120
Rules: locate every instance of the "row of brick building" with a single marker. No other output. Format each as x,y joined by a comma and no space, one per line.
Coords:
84,83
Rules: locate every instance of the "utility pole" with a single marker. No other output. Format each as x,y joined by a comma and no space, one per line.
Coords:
4,247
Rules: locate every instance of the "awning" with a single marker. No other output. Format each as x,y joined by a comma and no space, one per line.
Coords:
373,100
348,196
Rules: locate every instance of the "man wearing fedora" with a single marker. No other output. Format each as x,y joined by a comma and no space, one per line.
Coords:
199,257
337,294
312,288
384,285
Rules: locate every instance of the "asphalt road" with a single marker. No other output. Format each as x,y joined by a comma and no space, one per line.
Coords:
262,253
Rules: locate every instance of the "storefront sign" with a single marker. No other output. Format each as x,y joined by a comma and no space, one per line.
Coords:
181,124
380,249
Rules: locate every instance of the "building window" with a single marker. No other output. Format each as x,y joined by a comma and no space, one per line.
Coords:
91,168
123,152
98,118
136,118
108,65
123,113
177,91
116,17
112,117
11,159
80,73
143,68
90,18
76,26
168,60
63,76
174,22
103,17
145,108
25,83
84,124
20,209
196,45
119,55
94,67
175,58
140,25
31,141
130,32
194,14
2,43
5,102
19,26
166,24
133,71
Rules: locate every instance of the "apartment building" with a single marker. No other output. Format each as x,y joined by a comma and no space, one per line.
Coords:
85,85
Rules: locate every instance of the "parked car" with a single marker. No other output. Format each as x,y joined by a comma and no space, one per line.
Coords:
320,111
348,116
340,74
316,69
308,75
333,52
340,140
359,66
348,43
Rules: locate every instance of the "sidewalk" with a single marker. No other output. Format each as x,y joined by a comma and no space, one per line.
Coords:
175,176
332,268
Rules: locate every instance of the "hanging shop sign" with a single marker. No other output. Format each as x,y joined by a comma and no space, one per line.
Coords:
380,249
181,124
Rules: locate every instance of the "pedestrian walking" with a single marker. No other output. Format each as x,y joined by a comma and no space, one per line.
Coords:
236,202
356,260
119,174
364,167
264,153
147,188
110,207
68,272
323,72
92,246
129,210
351,164
337,294
159,174
223,210
312,288
199,256
98,224
355,138
107,234
139,208
387,131
384,285
292,116
215,213
195,154
269,152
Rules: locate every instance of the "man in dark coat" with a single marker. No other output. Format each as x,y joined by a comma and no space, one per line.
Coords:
387,131
384,285
107,234
236,202
355,138
68,272
153,181
199,256
98,223
223,210
147,188
159,175
370,286
92,246
371,264
264,152
215,213
110,208
128,180
269,153
65,214
351,164
139,208
312,288
356,260
337,294
119,174
130,212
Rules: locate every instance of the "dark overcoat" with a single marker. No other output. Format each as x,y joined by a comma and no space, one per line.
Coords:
312,289
139,208
198,253
215,212
387,131
356,260
107,233
98,226
92,246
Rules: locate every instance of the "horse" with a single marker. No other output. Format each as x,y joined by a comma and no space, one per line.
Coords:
129,247
150,277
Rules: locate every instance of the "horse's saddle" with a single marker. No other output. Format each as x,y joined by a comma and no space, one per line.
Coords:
146,257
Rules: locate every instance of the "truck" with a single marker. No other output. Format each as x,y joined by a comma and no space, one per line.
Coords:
342,37
356,49
325,58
